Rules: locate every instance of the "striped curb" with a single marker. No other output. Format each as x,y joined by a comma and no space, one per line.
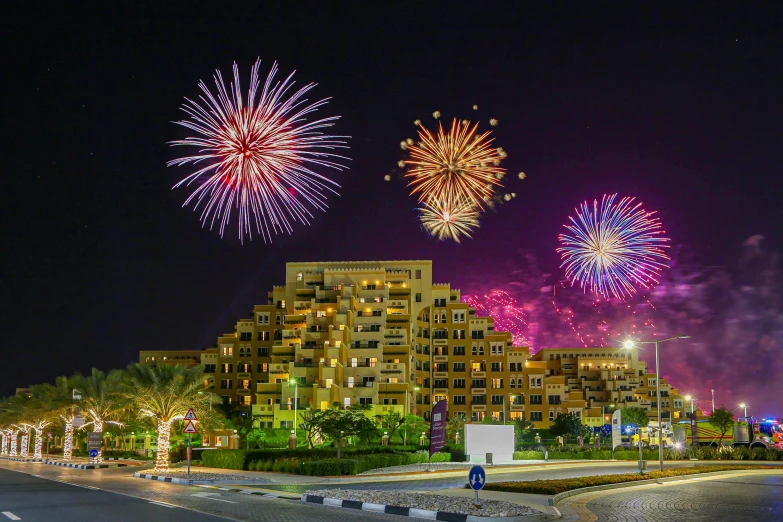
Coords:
564,495
21,459
420,513
82,466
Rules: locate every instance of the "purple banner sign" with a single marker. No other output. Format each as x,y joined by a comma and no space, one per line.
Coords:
438,427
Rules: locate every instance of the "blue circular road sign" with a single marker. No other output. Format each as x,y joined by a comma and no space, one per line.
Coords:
477,477
93,453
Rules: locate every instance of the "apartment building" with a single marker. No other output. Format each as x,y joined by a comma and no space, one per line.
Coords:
381,334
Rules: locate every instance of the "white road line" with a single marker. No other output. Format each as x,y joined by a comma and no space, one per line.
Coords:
11,515
162,504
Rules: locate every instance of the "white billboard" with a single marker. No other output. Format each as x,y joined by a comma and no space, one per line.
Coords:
481,439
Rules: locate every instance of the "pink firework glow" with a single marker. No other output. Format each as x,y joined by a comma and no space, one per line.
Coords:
505,310
256,154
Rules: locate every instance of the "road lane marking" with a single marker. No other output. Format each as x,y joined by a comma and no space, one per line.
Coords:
162,504
210,496
11,515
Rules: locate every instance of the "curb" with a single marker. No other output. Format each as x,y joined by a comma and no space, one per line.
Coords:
564,495
208,484
420,513
82,466
21,459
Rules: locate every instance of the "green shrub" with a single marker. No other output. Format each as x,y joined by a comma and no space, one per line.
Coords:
528,455
457,452
330,467
226,459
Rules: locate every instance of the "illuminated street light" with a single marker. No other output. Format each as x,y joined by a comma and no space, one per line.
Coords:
745,407
628,344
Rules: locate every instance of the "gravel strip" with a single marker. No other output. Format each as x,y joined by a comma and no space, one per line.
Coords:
461,505
201,475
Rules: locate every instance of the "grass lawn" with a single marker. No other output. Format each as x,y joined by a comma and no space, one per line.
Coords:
555,486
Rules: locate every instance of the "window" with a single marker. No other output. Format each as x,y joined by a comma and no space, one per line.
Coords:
536,399
441,367
227,351
477,334
459,350
553,399
497,383
418,298
226,368
458,334
278,319
478,383
497,349
536,416
440,383
519,382
478,399
477,350
650,382
225,384
458,316
244,368
551,414
263,336
245,336
512,381
535,381
210,368
418,276
477,416
436,317
365,400
497,399
263,318
496,366
443,317
459,366
299,276
441,350
263,352
458,399
459,383
320,313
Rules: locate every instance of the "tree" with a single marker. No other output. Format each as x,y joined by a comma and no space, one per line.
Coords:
337,423
102,400
391,422
163,394
309,422
635,417
456,426
522,427
60,398
566,424
723,419
412,427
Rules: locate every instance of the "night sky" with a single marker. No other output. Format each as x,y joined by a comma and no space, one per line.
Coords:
678,106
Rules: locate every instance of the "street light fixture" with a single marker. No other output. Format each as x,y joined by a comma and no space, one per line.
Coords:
296,399
630,344
745,407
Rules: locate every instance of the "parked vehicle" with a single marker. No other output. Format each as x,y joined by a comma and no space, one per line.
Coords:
747,432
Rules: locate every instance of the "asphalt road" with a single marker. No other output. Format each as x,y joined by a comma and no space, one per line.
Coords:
37,492
32,499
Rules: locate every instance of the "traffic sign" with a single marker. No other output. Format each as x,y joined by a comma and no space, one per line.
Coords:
93,453
190,415
476,477
190,427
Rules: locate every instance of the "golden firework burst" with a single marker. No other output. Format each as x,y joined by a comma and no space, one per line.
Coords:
446,219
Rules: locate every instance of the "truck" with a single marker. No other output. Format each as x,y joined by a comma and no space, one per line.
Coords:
748,432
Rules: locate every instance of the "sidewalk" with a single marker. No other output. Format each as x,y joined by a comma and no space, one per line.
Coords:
539,502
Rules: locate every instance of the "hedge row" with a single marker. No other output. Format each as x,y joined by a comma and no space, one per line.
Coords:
700,452
553,487
241,459
367,462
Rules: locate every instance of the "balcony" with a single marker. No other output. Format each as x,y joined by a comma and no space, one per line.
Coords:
307,364
364,384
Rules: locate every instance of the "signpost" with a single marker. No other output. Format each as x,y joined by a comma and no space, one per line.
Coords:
476,479
617,434
437,428
190,429
94,440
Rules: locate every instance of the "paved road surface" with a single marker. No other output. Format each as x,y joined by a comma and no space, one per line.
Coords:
32,499
747,498
25,496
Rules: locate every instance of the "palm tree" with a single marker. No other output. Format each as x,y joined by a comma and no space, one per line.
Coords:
102,399
63,409
33,416
163,394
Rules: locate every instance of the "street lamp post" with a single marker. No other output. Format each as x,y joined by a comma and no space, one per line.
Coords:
210,399
630,344
745,407
296,399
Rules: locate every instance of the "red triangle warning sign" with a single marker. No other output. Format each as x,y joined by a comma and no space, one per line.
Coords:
189,428
190,415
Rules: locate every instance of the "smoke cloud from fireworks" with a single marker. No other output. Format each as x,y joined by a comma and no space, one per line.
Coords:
734,318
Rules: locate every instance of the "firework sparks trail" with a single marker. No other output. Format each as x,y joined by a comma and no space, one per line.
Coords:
613,248
507,313
458,165
257,154
448,220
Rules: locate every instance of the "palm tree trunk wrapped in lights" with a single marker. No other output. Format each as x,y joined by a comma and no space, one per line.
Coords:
5,441
164,445
68,440
38,447
25,451
101,400
13,446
